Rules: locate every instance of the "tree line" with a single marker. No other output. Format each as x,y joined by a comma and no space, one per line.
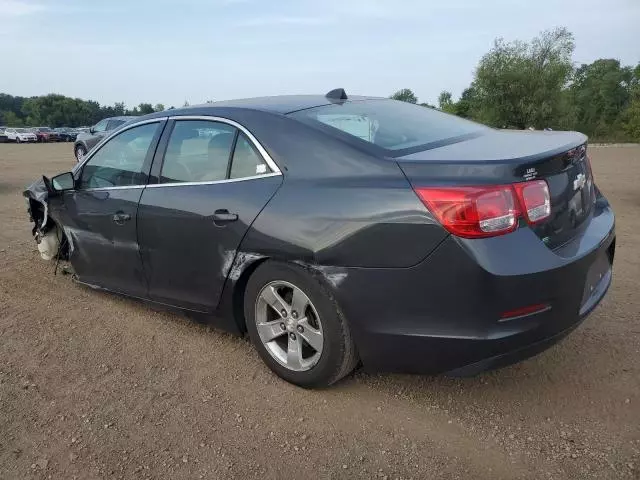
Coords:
60,111
516,85
535,84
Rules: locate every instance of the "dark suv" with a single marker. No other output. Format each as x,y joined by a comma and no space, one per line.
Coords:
86,140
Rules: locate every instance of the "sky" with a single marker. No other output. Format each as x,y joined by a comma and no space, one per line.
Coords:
172,51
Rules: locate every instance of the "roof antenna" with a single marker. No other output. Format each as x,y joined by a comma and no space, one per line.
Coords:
337,94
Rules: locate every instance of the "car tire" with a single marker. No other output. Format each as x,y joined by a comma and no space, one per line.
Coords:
80,151
321,323
18,140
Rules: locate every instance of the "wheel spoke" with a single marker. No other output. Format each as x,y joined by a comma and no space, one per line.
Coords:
276,302
294,353
311,335
299,302
269,331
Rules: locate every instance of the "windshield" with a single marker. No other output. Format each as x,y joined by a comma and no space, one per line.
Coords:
44,129
21,130
390,124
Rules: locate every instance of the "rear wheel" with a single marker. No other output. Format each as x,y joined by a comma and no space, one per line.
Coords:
297,327
80,152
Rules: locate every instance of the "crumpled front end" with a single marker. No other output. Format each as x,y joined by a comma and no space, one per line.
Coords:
48,235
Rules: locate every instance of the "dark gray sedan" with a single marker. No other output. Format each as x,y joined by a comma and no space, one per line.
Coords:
339,230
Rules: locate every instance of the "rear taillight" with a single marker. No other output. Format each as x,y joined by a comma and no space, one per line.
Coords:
535,200
487,211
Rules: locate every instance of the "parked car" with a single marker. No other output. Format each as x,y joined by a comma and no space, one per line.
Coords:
86,140
66,134
3,136
336,230
20,135
46,134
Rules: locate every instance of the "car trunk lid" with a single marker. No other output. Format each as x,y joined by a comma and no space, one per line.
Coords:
501,157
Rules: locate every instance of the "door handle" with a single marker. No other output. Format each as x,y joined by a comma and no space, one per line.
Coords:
120,217
223,216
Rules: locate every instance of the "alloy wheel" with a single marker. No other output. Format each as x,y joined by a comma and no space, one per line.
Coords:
289,326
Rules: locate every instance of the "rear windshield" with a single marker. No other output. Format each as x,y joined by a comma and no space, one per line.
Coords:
390,124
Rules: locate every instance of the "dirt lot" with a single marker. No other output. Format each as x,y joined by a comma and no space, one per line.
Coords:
96,386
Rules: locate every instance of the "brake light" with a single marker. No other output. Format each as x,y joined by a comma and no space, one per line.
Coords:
487,211
472,212
535,200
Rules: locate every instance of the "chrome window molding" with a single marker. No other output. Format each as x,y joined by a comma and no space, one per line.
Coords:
275,171
119,187
265,156
214,182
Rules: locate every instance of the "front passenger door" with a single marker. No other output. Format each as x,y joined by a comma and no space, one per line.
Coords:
100,215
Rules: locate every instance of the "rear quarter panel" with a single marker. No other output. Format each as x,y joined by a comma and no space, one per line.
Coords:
337,205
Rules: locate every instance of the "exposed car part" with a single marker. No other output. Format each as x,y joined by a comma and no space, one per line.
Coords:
50,238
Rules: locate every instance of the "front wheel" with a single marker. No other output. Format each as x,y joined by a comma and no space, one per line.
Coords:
297,326
18,140
80,152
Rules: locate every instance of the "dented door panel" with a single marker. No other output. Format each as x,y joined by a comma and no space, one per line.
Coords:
188,246
100,226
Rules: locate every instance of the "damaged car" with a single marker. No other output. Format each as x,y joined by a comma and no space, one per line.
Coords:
339,231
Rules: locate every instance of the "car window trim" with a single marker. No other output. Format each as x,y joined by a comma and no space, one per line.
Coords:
213,182
159,157
99,146
232,153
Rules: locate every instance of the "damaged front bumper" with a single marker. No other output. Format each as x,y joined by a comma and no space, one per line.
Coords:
48,235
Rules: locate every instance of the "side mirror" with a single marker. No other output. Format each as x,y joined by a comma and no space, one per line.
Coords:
62,182
92,131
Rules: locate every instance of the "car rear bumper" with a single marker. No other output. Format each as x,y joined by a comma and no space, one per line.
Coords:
444,314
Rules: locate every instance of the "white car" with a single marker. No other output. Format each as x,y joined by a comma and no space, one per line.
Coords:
20,135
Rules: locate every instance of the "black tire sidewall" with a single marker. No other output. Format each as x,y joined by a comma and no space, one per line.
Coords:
327,369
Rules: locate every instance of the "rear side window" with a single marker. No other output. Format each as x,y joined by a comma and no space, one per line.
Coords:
198,151
247,162
389,124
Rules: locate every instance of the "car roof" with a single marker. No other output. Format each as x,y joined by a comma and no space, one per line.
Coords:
281,104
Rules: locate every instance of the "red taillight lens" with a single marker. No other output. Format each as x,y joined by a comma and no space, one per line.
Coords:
535,199
487,211
472,212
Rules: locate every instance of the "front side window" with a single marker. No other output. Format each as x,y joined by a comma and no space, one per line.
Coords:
198,151
120,161
391,125
247,162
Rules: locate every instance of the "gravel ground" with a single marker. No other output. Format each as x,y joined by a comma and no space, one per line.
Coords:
97,386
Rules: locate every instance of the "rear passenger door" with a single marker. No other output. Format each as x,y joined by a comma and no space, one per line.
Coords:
212,178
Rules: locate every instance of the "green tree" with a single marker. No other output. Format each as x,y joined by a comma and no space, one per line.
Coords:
445,102
10,119
145,108
520,84
159,107
405,95
600,92
630,118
